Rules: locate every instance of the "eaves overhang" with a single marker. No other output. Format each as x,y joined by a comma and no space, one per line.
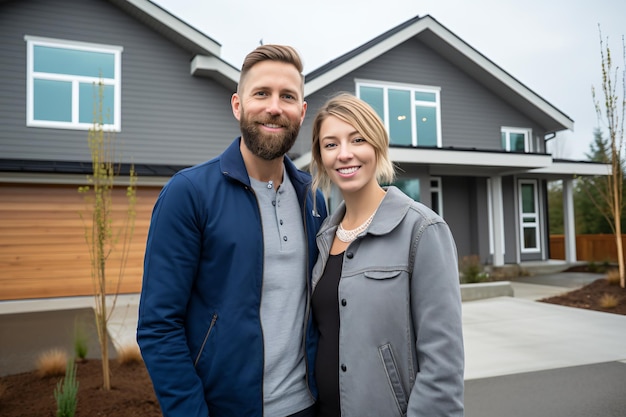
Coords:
483,163
206,61
571,169
437,156
170,26
210,66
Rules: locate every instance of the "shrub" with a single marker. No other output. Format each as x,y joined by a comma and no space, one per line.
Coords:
66,392
608,301
52,363
129,353
612,276
471,270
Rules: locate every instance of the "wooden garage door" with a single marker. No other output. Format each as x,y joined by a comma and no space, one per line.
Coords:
43,251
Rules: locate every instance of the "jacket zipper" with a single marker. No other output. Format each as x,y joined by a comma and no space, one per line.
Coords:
206,337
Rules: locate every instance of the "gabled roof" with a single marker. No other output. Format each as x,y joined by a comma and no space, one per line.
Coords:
433,34
207,60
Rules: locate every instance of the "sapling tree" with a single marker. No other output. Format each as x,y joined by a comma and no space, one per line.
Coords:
609,104
105,237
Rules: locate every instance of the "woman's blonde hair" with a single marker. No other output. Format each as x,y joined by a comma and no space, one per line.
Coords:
365,120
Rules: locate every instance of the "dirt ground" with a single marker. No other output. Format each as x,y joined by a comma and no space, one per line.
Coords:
132,395
589,297
29,395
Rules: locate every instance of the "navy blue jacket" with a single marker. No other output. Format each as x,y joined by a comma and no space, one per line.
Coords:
199,326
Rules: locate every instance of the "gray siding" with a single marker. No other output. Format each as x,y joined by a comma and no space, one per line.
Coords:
471,115
459,212
168,116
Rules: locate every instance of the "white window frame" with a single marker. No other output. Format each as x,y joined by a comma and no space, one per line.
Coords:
437,190
31,75
534,217
525,131
412,88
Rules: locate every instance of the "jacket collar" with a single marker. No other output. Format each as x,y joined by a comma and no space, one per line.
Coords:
232,165
390,213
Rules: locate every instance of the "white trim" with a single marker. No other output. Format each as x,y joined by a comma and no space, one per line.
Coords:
490,221
76,80
469,158
429,156
574,168
496,235
569,223
522,216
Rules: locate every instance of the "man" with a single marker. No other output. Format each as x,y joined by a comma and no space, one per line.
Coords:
224,318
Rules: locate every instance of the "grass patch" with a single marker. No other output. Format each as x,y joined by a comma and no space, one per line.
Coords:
612,276
608,301
66,392
128,354
52,363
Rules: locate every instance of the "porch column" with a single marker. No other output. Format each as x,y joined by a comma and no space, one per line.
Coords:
569,226
498,221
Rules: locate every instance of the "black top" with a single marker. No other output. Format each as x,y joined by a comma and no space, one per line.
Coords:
325,305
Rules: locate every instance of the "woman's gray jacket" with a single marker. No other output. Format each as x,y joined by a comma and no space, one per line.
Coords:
400,337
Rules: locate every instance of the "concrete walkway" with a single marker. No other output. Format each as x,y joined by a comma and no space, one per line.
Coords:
523,357
503,335
509,335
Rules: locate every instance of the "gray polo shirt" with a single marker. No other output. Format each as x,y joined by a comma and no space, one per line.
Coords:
283,299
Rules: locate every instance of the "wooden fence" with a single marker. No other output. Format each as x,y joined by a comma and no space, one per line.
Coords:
592,248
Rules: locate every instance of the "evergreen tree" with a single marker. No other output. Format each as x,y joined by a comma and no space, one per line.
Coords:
589,217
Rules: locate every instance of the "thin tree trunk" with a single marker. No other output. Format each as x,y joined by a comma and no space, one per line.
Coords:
620,251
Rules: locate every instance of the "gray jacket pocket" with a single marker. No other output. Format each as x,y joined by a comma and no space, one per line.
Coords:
393,377
381,274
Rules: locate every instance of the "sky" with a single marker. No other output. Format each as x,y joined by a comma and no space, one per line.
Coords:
550,46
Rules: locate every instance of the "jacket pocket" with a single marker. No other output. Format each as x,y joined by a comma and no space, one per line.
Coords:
206,337
382,274
393,377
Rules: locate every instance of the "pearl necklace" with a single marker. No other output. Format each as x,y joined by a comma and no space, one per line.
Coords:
348,236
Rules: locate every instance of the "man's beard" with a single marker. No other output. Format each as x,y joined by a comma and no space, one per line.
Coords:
268,146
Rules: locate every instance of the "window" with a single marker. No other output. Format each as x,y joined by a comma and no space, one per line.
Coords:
410,113
411,187
436,200
529,216
515,139
63,80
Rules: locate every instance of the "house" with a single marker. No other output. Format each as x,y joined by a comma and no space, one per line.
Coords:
468,138
168,92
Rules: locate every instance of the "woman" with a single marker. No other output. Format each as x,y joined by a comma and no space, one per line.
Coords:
386,295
